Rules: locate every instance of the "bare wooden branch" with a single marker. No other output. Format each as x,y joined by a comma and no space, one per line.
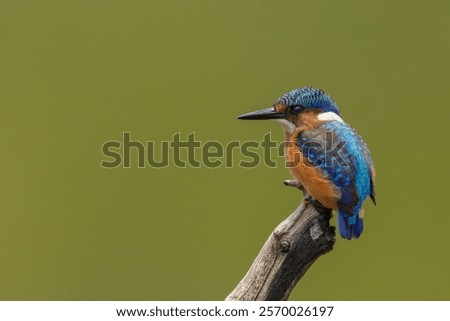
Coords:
287,254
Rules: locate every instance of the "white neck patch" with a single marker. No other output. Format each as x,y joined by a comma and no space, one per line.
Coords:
329,116
288,126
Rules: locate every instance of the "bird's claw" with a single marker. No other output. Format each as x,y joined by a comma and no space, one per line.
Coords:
296,183
308,199
293,183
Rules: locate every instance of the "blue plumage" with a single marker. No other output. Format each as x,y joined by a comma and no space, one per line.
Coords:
349,226
308,97
343,158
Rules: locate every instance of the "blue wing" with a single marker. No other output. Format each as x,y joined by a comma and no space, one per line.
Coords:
368,159
343,157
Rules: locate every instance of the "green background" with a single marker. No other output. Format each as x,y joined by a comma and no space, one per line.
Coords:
75,74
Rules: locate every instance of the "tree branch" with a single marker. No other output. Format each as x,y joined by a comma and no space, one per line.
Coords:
287,254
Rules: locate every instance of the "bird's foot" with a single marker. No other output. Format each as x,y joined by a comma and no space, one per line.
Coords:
293,183
296,183
308,199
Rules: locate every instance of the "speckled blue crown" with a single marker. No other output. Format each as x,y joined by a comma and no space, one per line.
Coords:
309,97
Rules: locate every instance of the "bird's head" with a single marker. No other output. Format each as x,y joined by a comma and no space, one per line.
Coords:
289,106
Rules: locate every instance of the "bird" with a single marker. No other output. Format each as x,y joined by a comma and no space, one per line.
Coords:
327,158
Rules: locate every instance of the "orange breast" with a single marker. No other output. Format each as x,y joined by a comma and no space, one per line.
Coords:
312,179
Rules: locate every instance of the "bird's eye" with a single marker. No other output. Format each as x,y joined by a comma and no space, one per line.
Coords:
296,109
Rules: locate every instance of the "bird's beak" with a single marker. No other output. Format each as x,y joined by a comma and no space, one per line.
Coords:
266,113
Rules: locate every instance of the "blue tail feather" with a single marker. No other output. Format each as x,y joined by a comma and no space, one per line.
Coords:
349,226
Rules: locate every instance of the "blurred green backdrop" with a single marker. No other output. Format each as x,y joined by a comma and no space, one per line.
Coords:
75,74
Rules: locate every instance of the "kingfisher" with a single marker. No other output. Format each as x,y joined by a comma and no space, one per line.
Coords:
328,159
